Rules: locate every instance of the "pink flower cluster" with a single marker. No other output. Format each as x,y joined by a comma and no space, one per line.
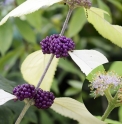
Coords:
104,80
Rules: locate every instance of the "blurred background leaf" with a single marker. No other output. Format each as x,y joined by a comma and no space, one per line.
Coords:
77,22
6,35
116,67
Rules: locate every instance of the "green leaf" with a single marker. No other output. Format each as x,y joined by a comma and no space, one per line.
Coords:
6,36
45,118
26,31
75,84
77,22
20,1
116,3
55,87
7,61
6,84
116,66
16,107
71,91
6,115
120,114
24,121
68,66
34,19
59,118
31,116
109,121
107,30
103,6
33,66
71,108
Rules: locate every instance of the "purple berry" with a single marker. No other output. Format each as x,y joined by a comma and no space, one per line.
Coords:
43,99
57,45
24,91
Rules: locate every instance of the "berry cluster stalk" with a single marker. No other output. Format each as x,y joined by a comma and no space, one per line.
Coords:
29,102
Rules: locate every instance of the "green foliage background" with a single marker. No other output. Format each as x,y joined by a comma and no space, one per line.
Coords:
21,36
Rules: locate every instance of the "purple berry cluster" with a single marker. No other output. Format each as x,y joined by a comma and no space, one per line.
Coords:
24,91
43,99
57,45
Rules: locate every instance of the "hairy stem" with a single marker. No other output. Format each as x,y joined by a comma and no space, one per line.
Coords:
26,107
45,71
51,58
67,20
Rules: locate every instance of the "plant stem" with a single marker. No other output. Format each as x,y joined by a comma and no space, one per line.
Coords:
28,104
108,111
45,71
26,107
66,21
108,95
112,103
51,58
115,99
